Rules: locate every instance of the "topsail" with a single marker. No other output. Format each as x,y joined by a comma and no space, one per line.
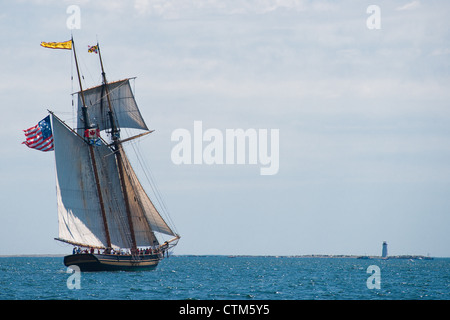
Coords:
122,100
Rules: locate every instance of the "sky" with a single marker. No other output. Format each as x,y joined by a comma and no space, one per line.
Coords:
360,100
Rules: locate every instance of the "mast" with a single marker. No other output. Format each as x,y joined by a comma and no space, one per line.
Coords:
115,134
91,152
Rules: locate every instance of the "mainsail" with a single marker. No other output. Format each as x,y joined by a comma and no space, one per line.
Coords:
101,202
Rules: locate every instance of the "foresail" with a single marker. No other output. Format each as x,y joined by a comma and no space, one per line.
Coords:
79,214
124,105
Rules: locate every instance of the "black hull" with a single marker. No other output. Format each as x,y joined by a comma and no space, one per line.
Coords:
110,262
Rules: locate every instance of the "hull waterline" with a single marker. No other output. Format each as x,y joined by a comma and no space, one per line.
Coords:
110,262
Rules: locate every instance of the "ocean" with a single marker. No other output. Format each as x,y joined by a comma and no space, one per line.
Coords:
249,278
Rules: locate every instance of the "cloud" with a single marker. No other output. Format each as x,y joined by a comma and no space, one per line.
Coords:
441,52
409,6
178,8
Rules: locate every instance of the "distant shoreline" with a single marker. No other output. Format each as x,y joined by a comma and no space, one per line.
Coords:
49,255
408,256
362,257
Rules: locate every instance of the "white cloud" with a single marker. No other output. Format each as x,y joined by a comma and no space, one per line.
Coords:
177,8
410,6
441,52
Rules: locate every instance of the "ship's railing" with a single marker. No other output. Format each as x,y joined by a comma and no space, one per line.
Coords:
138,253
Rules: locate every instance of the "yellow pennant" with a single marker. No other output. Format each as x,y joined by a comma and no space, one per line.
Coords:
58,45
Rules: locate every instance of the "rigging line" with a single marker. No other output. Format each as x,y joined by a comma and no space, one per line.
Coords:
67,119
145,170
109,91
159,196
162,208
109,94
152,181
71,80
153,185
134,182
137,190
88,71
134,87
153,218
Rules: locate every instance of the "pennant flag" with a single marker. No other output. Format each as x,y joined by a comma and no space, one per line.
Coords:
58,45
93,49
40,136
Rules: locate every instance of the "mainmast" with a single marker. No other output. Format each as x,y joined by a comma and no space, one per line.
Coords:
117,146
87,126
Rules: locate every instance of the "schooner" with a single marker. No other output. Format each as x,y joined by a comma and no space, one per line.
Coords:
103,208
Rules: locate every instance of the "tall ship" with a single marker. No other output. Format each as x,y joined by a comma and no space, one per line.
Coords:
103,209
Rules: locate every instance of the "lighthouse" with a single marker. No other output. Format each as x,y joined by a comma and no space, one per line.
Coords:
384,251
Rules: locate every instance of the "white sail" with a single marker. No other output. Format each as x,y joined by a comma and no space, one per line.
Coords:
152,217
113,202
79,213
79,209
122,100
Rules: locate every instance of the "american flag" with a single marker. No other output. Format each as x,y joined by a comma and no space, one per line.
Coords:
40,136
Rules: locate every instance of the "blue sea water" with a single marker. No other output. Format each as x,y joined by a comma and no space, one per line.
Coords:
231,278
